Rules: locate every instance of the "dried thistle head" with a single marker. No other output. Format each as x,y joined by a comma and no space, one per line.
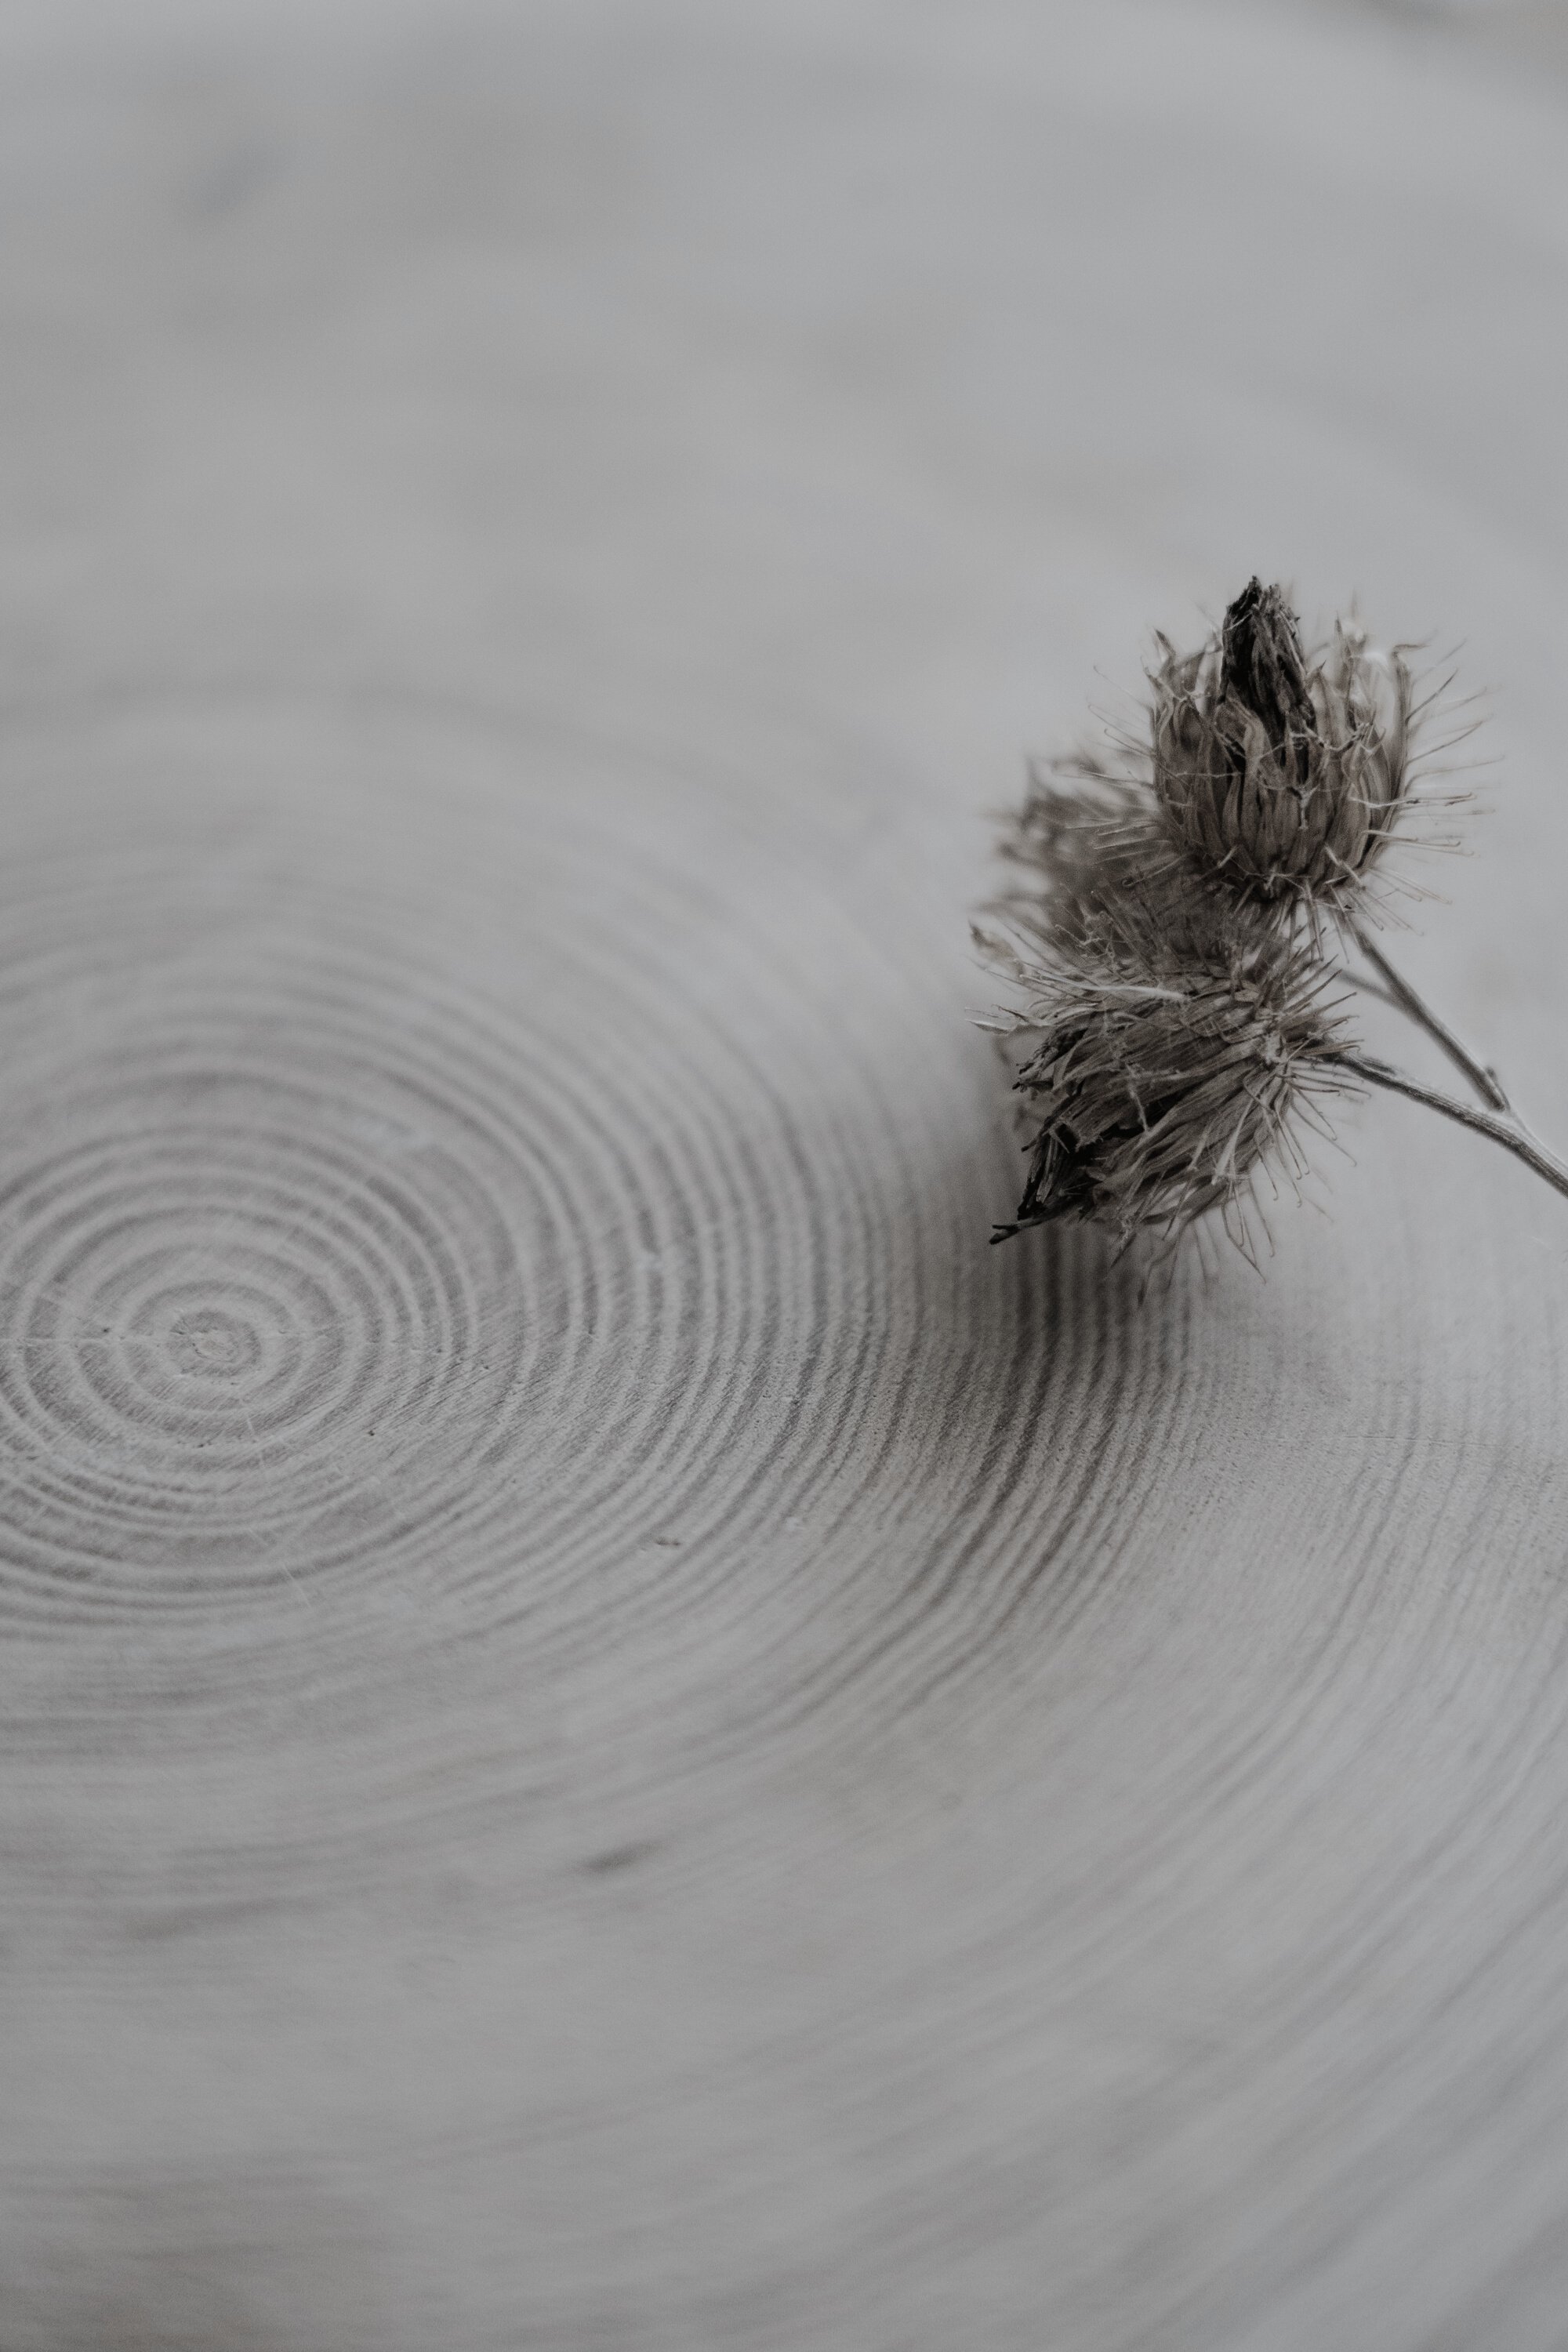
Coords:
1166,925
1282,775
1088,836
1169,1063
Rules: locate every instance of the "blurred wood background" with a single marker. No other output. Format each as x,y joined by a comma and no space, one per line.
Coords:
616,1735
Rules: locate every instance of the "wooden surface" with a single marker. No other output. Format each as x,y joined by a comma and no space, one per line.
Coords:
616,1736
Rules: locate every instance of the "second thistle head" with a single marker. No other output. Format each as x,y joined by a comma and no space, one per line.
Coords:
1282,774
1169,1055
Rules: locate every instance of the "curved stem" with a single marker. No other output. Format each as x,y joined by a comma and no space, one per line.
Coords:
1512,1138
1484,1082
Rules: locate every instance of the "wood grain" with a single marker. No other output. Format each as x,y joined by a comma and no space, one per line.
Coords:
616,1734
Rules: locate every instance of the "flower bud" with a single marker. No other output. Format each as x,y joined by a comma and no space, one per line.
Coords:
1281,775
1167,1073
1084,837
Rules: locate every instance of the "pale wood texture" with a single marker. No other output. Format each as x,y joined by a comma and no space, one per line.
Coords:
616,1735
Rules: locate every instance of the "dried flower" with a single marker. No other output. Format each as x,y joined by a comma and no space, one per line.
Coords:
1086,836
1169,1064
1282,776
1167,933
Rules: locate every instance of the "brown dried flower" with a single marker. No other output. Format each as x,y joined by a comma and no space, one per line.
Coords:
1170,1062
1086,836
1282,775
1167,932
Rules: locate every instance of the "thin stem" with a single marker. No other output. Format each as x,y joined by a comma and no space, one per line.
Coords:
1501,1130
1484,1082
1379,995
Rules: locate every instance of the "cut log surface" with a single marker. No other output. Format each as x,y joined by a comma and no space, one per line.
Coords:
616,1734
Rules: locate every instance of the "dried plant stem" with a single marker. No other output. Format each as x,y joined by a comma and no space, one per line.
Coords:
1505,1131
1485,1081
